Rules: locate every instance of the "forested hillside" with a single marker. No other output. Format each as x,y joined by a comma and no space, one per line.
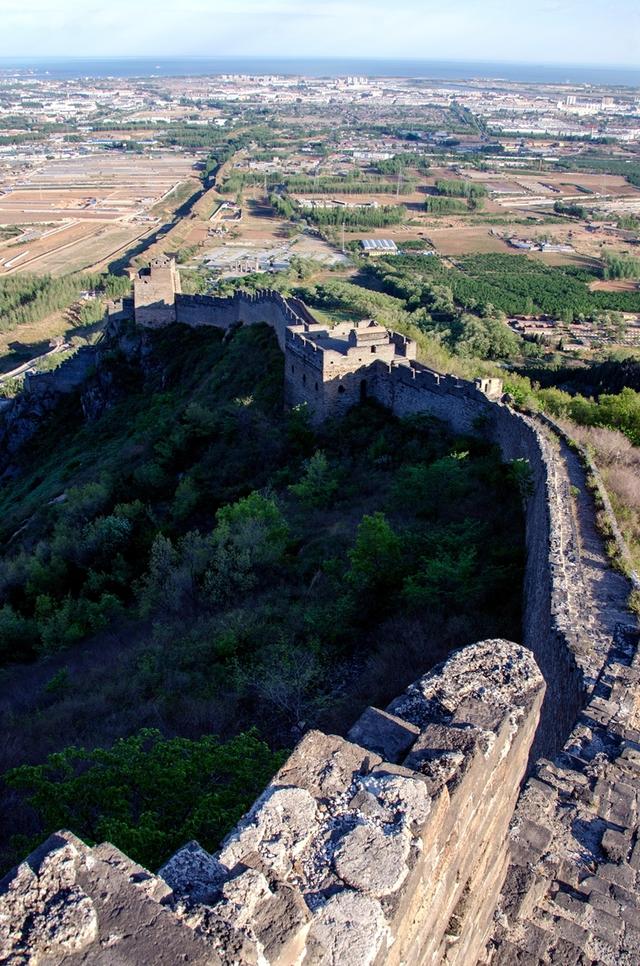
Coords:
193,562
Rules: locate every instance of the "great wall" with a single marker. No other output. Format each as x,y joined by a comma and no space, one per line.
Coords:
489,815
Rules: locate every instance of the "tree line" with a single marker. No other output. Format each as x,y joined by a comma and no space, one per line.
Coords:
29,298
620,266
357,217
460,189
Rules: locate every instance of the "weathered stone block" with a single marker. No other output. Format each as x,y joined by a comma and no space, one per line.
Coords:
372,860
384,733
536,836
193,873
442,753
325,765
616,845
347,931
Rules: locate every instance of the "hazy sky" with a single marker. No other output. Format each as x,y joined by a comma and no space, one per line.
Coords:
535,31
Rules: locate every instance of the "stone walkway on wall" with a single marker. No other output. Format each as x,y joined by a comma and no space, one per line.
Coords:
607,589
572,893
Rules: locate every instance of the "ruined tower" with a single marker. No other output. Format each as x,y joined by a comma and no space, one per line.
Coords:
154,292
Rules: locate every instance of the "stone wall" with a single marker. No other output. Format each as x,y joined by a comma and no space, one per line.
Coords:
572,892
242,307
385,847
391,846
411,389
555,626
555,623
154,293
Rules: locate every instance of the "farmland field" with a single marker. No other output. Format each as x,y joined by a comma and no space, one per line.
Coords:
77,213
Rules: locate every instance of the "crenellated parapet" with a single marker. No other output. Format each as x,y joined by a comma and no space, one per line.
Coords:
410,840
327,368
388,846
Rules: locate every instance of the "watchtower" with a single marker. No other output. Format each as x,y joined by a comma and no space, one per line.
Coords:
154,292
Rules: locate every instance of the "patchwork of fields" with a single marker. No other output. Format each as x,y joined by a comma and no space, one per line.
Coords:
78,213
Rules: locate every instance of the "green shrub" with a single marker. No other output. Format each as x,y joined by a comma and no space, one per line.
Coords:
318,484
376,558
148,795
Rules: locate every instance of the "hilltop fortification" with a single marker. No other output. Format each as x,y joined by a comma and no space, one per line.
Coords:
327,368
154,292
412,840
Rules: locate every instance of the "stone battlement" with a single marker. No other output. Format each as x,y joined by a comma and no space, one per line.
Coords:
388,846
410,841
327,368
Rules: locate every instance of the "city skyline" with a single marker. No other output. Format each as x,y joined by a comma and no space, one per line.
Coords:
543,32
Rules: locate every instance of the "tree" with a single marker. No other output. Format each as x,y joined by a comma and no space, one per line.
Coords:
376,558
148,795
290,679
319,482
18,635
251,534
445,579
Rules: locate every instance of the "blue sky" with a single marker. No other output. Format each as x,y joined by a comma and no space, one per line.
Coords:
533,31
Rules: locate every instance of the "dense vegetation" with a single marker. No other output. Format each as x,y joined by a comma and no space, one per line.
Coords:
400,162
230,592
460,189
148,793
619,411
361,216
621,266
29,298
571,209
354,184
448,195
437,205
513,284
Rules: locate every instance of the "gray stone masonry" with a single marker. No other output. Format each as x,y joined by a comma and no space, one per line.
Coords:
393,846
154,292
346,858
572,891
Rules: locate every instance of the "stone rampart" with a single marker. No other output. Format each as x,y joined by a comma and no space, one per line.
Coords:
391,846
243,307
410,389
385,847
572,892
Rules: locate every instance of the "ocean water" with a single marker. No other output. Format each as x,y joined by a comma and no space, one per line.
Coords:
61,68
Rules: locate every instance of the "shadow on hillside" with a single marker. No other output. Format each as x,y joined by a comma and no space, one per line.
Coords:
21,352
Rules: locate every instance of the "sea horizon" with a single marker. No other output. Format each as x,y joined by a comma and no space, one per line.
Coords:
424,69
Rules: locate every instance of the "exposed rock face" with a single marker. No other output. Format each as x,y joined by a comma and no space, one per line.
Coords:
345,859
42,394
